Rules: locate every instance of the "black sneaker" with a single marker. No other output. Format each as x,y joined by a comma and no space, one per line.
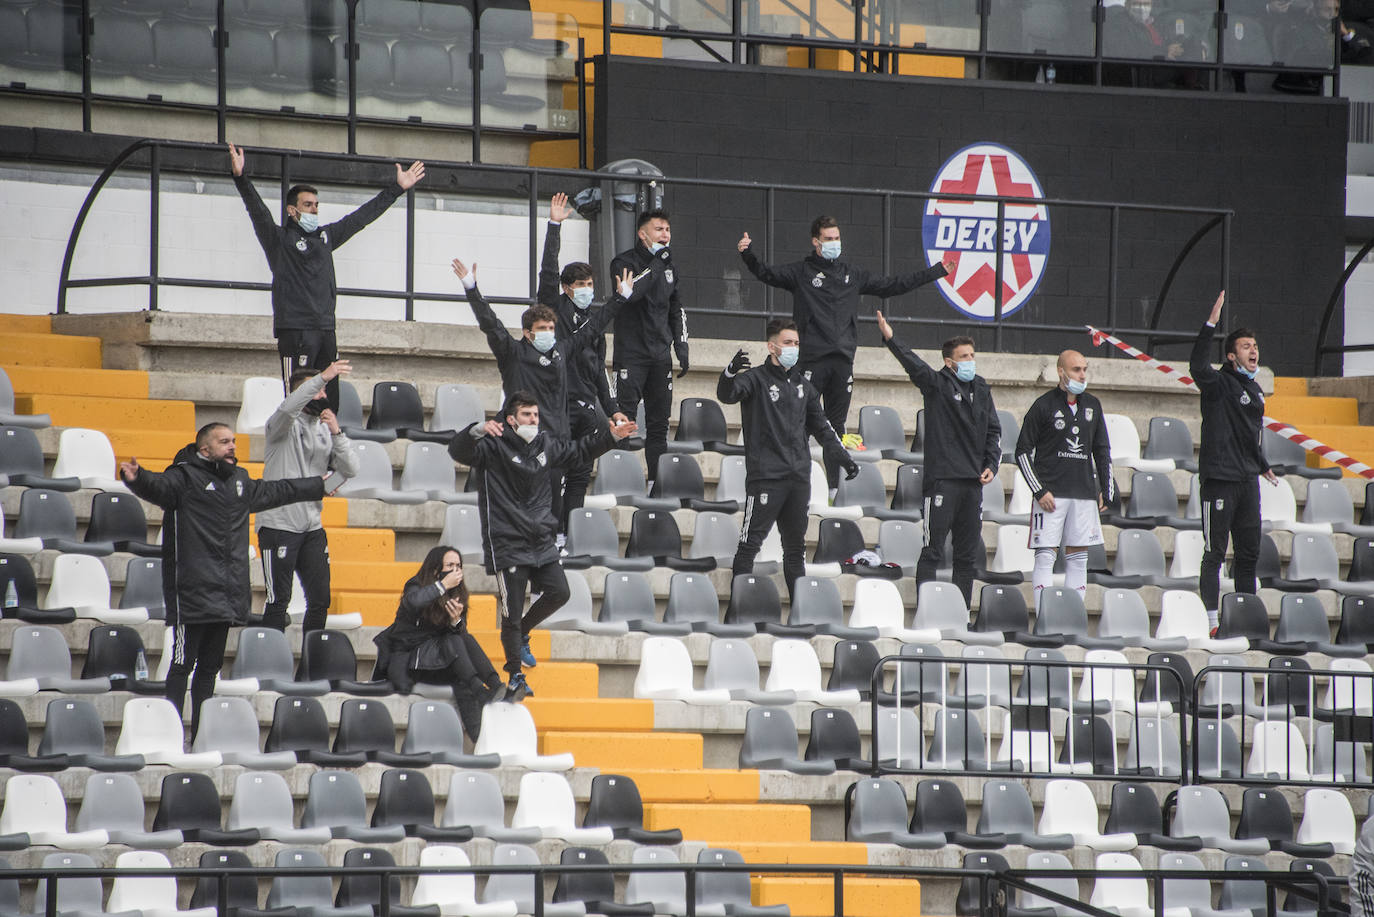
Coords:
518,689
494,693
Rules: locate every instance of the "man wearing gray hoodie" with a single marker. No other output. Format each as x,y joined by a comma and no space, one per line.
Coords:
303,439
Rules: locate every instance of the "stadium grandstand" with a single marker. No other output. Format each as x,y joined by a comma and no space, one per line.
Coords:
1090,173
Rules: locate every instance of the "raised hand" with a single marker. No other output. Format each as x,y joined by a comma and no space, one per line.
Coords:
1216,308
744,242
950,263
884,328
129,470
330,421
559,209
235,159
407,178
492,428
336,369
625,284
461,270
739,362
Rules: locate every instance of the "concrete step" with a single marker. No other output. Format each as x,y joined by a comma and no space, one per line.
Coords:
601,713
1306,410
814,896
360,544
117,413
1355,441
157,442
808,852
692,785
732,823
371,576
13,323
611,750
25,348
67,380
1295,386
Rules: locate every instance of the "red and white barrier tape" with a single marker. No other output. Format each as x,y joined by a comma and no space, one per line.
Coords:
1282,429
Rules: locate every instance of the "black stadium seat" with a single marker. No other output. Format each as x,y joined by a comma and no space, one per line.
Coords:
365,726
119,519
615,803
21,461
16,572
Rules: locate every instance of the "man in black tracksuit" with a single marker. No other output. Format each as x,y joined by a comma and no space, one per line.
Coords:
515,462
569,293
825,306
962,451
300,254
653,323
779,409
1230,459
211,498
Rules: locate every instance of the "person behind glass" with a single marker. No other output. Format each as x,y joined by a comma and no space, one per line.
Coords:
1230,458
825,305
963,447
429,642
779,410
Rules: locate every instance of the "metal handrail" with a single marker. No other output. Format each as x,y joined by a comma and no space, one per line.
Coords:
1337,292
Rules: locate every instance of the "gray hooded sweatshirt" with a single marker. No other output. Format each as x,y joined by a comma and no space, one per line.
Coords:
300,445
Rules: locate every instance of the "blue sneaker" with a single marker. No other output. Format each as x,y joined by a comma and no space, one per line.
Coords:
526,657
518,689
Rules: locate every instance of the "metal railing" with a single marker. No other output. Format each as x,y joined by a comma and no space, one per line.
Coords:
531,185
1336,299
1087,695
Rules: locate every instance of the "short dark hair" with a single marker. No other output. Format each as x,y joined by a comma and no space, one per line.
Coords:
777,326
295,191
657,213
574,271
203,434
537,314
948,347
517,400
1230,345
822,222
300,377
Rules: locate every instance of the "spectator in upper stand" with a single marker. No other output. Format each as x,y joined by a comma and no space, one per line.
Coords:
212,498
303,438
581,330
300,253
1308,40
429,641
1131,31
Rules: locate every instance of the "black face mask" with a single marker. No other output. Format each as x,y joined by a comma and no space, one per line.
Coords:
218,467
315,406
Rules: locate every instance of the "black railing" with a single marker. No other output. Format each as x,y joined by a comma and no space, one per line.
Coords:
1048,689
433,65
1337,298
530,186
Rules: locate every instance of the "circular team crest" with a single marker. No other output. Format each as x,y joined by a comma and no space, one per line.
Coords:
966,231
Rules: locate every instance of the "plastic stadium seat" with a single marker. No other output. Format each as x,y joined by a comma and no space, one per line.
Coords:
48,515
520,889
1265,813
878,607
733,667
456,407
795,668
654,533
264,661
880,427
692,601
14,743
679,478
262,395
1182,616
982,683
463,530
1115,686
820,498
866,491
475,802
80,582
897,742
1089,745
360,889
40,661
299,726
312,895
1126,897
941,607
1135,810
1242,616
1139,562
229,726
508,731
153,728
350,405
79,897
1286,456
405,798
434,729
1062,619
1046,686
374,478
327,656
1345,762
262,800
620,481
834,739
970,901
666,891
615,803
1326,818
1153,498
34,806
335,801
1246,894
1169,440
957,743
1069,808
16,546
816,609
241,891
939,808
665,673
1125,619
770,742
365,726
1027,746
74,732
113,803
594,541
8,416
701,426
1329,502
1012,553
852,667
595,890
1218,750
1187,559
729,891
1356,627
1125,441
546,802
879,816
1279,508
1313,560
119,519
995,504
754,600
113,651
1202,812
121,45
428,468
1348,694
900,542
152,896
1007,811
1192,895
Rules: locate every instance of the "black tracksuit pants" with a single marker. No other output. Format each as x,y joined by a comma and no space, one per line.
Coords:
833,379
305,349
197,648
288,553
953,507
583,420
766,503
651,383
1230,509
549,582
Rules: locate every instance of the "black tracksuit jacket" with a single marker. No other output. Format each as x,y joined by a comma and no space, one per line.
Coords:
1066,453
1232,416
587,361
654,320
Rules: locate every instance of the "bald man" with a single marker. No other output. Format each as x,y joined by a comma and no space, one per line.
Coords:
1065,457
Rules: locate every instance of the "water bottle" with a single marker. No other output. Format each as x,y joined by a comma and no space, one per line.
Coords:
141,667
1049,73
11,595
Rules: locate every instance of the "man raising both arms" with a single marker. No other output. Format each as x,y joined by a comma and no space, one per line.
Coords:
825,306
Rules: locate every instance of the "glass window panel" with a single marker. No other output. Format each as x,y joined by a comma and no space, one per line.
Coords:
935,23
41,47
1062,27
690,15
528,78
830,20
288,56
414,61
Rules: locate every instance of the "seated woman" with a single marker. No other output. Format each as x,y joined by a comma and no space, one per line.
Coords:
429,640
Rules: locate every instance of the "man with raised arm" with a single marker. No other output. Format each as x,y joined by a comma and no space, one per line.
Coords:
779,410
962,451
825,305
1065,456
516,462
212,498
570,293
303,438
300,254
1230,460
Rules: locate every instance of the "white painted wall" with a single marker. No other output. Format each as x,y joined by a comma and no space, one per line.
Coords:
205,233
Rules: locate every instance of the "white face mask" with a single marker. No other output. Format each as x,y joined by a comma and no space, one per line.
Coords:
309,222
965,370
1076,387
787,356
527,431
582,297
543,341
1140,13
830,249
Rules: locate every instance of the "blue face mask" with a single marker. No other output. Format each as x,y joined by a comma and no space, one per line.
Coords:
787,356
1075,387
830,250
1247,373
308,222
543,341
656,247
582,297
965,370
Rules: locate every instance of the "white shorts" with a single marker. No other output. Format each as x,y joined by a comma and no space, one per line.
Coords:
1073,523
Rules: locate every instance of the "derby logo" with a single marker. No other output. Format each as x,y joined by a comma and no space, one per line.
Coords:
966,231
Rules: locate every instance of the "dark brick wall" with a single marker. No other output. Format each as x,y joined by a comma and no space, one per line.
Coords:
1279,163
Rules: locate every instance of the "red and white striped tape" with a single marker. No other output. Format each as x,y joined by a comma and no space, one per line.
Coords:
1282,429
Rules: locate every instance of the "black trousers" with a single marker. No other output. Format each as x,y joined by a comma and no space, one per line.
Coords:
303,349
468,673
551,585
833,379
651,383
287,553
1230,509
583,420
953,507
784,503
197,648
